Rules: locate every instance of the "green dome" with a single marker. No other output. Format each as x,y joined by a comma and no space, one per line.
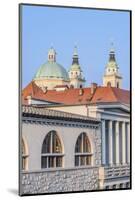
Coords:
52,70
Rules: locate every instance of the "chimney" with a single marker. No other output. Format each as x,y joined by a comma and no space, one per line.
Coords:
93,87
29,100
44,89
71,86
81,91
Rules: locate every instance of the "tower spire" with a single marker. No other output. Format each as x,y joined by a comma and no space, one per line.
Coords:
112,53
75,56
75,73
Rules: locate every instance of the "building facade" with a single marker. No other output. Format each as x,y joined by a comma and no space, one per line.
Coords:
74,138
61,151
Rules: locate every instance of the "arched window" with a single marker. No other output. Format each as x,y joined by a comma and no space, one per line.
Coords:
83,150
24,156
51,151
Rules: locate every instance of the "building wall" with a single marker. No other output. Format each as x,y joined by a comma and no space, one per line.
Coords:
50,83
118,176
81,179
113,80
35,133
71,178
79,109
76,83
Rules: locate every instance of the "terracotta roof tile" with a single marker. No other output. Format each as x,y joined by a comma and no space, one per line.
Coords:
122,95
32,90
70,96
111,94
77,95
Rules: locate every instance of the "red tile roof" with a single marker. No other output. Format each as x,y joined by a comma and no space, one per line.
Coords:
111,94
32,90
77,95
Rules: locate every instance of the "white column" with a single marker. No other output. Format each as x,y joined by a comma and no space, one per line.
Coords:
123,143
117,156
128,143
103,143
110,132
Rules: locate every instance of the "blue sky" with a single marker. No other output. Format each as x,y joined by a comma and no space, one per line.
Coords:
92,31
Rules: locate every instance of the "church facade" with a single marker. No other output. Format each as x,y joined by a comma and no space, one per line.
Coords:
74,138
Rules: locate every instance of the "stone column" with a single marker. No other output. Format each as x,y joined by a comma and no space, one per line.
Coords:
117,153
123,143
128,143
110,132
103,143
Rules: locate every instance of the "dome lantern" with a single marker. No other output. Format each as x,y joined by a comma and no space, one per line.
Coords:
51,55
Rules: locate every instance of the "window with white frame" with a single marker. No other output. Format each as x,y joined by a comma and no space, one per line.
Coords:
83,153
52,155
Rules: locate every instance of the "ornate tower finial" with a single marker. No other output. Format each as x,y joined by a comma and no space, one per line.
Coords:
112,43
75,51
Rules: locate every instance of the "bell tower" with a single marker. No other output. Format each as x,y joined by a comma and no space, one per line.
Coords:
111,76
75,73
